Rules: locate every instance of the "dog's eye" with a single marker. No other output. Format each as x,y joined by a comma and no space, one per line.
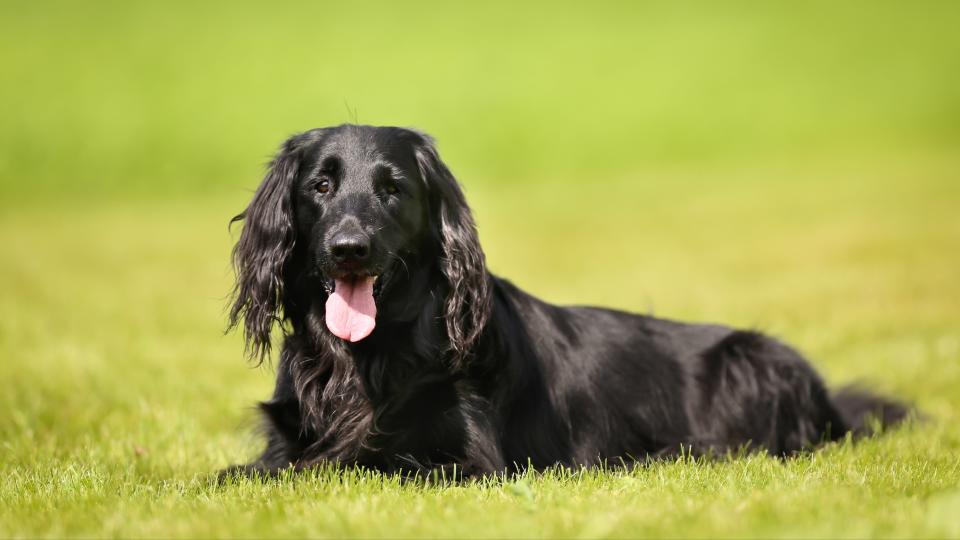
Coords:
392,188
323,186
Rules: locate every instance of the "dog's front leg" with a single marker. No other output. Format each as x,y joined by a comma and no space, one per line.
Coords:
482,450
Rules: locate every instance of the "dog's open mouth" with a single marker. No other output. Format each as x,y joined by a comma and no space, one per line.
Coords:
351,311
330,284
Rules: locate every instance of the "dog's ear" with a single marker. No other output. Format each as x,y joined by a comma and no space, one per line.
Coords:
468,303
265,245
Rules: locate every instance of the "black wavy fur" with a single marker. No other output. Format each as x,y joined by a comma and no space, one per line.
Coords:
463,368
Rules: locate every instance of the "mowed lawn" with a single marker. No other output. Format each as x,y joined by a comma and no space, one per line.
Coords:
786,168
121,396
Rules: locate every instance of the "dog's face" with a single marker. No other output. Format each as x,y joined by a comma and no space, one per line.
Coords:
373,219
361,211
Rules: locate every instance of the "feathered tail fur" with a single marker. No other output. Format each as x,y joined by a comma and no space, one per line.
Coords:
865,412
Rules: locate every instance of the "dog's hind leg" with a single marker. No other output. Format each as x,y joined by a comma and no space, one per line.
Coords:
755,392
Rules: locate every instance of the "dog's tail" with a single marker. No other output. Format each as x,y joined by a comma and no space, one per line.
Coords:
866,413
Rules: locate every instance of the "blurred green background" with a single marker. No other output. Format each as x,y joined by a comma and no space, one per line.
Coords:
157,99
786,166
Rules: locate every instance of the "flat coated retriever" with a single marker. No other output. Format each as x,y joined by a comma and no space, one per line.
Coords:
403,354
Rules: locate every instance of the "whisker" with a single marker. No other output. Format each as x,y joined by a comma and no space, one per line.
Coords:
403,262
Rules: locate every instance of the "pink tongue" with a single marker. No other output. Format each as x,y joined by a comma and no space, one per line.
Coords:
351,311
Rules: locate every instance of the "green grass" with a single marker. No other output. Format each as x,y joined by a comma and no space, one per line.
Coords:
789,168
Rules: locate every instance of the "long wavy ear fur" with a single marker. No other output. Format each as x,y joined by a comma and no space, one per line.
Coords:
265,245
469,302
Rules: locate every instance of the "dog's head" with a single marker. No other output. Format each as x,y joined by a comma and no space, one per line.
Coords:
366,216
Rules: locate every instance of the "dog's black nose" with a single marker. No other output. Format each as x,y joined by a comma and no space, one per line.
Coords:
349,247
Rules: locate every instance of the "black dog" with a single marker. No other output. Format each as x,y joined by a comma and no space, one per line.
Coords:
402,353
